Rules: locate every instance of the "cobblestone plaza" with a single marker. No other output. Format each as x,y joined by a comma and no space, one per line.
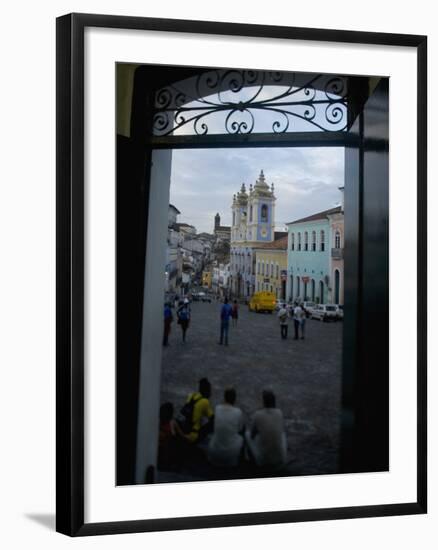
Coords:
305,376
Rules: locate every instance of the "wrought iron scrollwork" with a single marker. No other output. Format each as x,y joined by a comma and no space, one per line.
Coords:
229,100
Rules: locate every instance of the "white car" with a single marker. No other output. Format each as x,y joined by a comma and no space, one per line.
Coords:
340,312
325,312
309,307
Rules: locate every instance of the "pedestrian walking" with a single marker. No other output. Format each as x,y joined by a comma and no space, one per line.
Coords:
234,313
183,314
303,321
168,319
298,319
283,317
226,311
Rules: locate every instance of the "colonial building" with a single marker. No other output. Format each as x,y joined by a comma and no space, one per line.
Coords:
221,231
271,267
221,274
174,257
336,268
253,223
311,251
186,229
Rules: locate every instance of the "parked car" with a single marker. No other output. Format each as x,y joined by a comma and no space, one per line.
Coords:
325,312
309,307
340,312
279,304
262,301
203,297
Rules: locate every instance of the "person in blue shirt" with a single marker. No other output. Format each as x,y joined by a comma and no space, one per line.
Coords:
226,312
183,314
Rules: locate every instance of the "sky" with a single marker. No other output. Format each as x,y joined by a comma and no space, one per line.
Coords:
203,181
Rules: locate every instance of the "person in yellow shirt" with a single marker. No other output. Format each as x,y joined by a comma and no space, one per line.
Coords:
203,415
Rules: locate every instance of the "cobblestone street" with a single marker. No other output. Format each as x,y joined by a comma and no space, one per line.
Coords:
305,376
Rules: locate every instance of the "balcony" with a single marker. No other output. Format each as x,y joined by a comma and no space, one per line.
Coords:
337,253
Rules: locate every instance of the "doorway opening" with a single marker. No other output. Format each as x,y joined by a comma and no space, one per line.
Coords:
181,110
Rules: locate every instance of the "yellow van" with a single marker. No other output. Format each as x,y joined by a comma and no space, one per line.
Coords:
262,301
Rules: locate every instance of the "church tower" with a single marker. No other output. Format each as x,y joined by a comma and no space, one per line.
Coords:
239,210
261,211
217,221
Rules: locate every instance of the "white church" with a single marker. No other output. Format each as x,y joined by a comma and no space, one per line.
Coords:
253,223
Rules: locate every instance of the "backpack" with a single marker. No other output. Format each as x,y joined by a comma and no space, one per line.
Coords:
185,416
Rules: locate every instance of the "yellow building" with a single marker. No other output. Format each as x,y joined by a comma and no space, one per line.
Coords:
206,278
271,267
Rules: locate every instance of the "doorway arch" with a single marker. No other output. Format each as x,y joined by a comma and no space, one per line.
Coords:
321,292
135,155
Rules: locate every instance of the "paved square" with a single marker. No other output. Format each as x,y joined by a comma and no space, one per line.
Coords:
305,376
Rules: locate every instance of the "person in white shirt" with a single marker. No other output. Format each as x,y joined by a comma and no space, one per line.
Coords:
266,440
226,443
283,317
299,316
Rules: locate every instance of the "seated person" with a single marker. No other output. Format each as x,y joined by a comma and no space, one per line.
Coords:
226,443
267,440
170,439
202,416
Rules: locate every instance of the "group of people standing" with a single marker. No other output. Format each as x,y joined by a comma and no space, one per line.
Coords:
221,435
228,313
298,314
183,314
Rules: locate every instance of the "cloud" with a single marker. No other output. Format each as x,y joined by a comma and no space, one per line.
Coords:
203,181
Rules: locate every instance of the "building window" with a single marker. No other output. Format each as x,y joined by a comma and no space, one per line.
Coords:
272,269
322,244
234,218
306,241
338,239
258,268
263,268
292,238
276,271
264,213
250,213
299,241
314,240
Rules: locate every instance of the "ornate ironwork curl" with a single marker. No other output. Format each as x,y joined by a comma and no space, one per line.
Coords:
288,99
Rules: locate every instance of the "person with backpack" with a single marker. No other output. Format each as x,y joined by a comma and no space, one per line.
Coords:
226,311
196,417
283,317
183,315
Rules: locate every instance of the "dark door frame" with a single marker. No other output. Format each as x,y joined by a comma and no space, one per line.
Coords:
133,162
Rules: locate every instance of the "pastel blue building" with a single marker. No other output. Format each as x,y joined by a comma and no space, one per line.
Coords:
309,255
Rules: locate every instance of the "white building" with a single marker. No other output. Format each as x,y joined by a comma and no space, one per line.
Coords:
173,267
253,222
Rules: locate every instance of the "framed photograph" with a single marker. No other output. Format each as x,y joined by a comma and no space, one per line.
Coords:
241,274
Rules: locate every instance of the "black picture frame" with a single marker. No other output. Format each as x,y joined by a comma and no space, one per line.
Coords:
70,273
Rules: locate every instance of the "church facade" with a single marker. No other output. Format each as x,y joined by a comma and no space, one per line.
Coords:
253,223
